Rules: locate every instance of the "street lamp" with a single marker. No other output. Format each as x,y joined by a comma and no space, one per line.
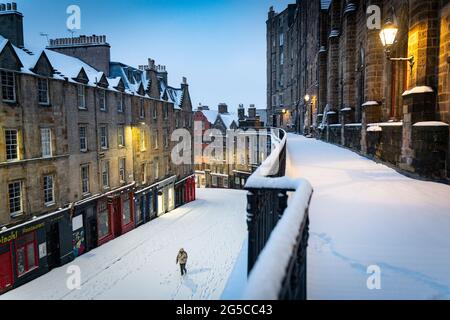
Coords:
308,108
387,36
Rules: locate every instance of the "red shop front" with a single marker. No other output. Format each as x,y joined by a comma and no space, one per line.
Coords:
115,215
189,190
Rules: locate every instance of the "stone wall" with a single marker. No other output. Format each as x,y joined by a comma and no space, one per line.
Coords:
385,144
352,137
334,134
373,139
430,144
444,73
390,148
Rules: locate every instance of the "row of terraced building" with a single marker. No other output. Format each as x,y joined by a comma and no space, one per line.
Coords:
330,76
85,148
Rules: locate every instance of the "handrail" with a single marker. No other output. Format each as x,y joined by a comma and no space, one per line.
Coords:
278,234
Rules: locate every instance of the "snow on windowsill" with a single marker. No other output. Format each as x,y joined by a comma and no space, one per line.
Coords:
353,125
431,124
386,124
375,129
370,103
417,90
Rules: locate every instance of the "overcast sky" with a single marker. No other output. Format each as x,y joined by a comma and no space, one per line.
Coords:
219,45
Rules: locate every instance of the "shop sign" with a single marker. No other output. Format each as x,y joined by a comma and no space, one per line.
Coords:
6,239
42,250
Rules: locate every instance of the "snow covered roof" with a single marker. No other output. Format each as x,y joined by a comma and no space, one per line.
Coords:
70,67
325,4
175,96
133,78
65,67
229,118
3,43
211,115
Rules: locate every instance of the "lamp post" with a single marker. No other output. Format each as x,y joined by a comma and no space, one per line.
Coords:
387,36
297,117
307,99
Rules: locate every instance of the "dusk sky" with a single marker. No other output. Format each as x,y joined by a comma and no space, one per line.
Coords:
219,45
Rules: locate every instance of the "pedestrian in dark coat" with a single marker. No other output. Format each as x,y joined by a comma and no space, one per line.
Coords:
182,258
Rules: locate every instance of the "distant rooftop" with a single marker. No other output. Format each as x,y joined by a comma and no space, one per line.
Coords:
79,41
325,4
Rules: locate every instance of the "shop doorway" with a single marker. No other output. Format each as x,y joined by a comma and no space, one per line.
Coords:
53,246
6,276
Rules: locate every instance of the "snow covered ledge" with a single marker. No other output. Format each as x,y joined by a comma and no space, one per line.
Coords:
275,263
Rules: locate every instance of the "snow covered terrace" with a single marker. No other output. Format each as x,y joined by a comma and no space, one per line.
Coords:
362,214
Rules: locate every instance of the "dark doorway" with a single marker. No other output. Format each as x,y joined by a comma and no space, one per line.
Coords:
53,246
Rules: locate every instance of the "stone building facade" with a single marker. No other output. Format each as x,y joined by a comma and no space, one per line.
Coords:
82,131
356,93
236,165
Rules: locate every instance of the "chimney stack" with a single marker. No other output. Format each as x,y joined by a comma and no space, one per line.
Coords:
252,111
152,75
241,112
11,24
162,72
271,13
93,50
223,108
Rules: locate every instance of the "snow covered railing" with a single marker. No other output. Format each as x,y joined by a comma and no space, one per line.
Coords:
275,163
280,269
278,234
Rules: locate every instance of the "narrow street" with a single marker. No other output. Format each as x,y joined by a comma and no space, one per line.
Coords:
363,214
141,264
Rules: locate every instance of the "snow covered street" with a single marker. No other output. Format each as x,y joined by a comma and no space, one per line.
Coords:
141,264
364,214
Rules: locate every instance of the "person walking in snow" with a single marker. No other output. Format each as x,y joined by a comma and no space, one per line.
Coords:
182,258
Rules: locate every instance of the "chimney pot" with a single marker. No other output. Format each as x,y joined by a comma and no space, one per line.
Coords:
184,81
14,6
8,6
2,7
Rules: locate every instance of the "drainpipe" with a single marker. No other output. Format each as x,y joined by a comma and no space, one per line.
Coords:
96,138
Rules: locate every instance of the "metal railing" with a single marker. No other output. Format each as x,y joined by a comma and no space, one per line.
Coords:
268,190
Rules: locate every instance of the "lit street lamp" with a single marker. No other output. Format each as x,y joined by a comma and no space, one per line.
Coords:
388,35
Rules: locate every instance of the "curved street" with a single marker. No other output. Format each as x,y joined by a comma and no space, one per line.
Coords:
141,264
